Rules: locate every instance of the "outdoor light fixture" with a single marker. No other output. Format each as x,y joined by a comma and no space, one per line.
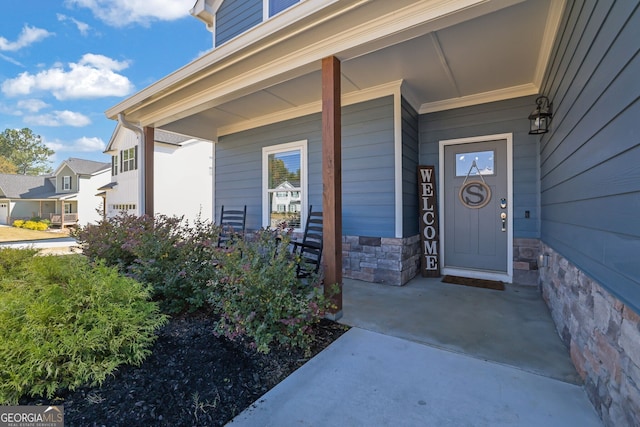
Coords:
540,118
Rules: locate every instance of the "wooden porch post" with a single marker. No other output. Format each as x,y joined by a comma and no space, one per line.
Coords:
332,179
149,142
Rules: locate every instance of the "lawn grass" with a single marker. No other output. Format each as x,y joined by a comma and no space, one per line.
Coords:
14,234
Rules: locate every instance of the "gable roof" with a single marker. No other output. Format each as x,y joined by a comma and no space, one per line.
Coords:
84,167
26,186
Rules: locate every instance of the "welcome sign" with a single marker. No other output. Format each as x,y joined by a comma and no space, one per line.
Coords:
429,233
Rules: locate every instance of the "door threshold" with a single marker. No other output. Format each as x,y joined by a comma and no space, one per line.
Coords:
478,274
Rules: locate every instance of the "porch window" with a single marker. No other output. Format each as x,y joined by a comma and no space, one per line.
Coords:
129,159
284,184
67,208
66,183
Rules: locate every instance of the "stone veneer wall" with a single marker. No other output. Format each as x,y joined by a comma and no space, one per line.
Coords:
392,261
603,337
525,261
396,261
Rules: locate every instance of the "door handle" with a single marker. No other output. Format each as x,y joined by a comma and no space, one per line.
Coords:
503,217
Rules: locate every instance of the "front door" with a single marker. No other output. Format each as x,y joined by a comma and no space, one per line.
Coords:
476,214
4,213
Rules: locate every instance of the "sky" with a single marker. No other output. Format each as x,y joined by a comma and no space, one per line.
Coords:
63,63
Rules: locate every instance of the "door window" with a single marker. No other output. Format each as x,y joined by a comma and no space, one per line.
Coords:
484,163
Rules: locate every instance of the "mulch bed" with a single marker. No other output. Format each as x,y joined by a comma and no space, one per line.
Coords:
192,378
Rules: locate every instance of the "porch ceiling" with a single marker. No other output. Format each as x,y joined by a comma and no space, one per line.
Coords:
483,52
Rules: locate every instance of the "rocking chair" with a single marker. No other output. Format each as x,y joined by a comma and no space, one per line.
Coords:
310,248
232,224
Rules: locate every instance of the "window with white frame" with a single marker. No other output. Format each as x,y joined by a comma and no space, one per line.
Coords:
66,183
128,159
284,184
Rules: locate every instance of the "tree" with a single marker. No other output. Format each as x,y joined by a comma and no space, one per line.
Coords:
6,166
25,151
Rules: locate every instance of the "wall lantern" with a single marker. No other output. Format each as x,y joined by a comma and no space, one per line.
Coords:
540,118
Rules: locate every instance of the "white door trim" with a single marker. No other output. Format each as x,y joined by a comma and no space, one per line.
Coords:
479,274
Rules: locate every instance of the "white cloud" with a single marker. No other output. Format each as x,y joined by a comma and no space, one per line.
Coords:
9,110
84,144
83,27
28,36
119,13
59,118
32,105
90,144
11,60
94,76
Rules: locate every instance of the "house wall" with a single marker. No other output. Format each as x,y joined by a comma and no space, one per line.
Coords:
367,163
410,162
183,180
370,249
590,199
235,17
509,116
23,209
128,189
89,205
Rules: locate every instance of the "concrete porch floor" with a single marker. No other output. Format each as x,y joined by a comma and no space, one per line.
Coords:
511,327
433,354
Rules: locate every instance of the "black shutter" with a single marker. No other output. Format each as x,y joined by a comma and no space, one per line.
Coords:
135,158
121,156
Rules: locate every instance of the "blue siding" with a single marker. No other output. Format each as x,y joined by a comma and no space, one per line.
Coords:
410,137
367,166
508,116
590,173
277,6
235,17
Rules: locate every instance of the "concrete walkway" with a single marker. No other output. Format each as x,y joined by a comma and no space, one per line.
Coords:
430,354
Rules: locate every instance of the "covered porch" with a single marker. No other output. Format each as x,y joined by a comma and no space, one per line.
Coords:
63,220
320,60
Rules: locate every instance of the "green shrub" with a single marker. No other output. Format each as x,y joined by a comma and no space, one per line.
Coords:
175,258
259,297
14,261
18,223
65,323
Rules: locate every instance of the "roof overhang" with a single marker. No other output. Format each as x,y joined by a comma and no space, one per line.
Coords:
205,11
442,54
109,186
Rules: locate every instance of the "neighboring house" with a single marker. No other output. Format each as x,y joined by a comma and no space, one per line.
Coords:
67,197
182,179
362,93
285,205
